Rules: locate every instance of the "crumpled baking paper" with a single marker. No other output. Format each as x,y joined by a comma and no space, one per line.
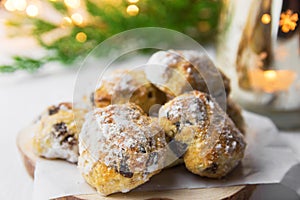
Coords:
267,160
292,178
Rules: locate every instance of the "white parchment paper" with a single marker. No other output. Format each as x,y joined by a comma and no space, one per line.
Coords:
267,160
292,178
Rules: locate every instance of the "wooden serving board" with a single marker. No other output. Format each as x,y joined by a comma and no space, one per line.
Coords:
24,143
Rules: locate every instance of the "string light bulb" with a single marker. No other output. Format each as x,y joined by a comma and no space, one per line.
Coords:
133,1
81,37
266,18
77,18
20,5
72,3
13,5
66,21
9,6
270,75
32,10
132,10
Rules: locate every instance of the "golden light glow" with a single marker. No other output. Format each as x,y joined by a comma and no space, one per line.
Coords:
66,21
77,18
132,10
204,26
20,5
32,10
288,21
266,18
272,80
81,37
270,75
72,3
9,5
13,5
133,1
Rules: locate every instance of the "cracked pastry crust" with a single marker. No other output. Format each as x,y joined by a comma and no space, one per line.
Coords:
204,135
56,132
177,76
124,86
120,148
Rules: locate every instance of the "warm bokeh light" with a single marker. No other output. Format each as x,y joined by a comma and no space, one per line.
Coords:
13,5
20,5
32,10
266,19
270,75
66,21
133,1
77,18
288,21
204,26
132,10
72,3
81,37
272,80
9,5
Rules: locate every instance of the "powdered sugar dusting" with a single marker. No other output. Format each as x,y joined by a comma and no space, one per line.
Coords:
119,81
157,69
123,135
200,110
61,150
164,58
177,71
186,108
125,84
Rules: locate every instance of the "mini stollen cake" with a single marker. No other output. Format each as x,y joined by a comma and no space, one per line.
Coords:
176,75
124,86
56,132
120,148
210,143
179,71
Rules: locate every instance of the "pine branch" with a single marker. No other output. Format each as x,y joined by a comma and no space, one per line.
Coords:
7,68
59,6
109,19
41,26
23,63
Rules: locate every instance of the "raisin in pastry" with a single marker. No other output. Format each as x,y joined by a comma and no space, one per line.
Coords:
120,148
56,132
210,143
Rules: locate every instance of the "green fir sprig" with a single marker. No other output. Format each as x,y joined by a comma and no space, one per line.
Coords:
197,18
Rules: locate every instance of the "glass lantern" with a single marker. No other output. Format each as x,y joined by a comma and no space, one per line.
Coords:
259,49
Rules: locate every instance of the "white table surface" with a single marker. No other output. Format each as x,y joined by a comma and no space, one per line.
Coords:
23,96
